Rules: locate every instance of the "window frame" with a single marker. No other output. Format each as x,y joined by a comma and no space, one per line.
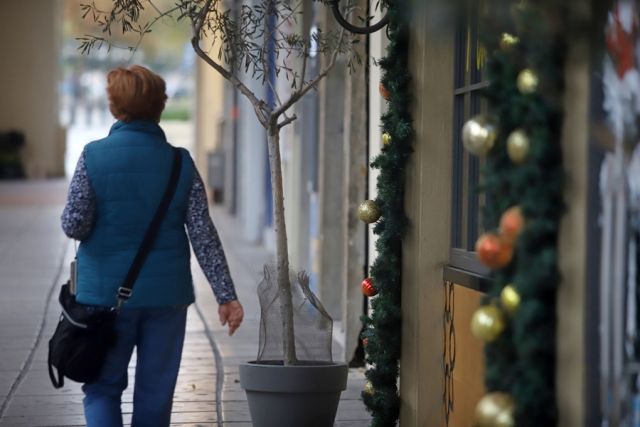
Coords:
465,172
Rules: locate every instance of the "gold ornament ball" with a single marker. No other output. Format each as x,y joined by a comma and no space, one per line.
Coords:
478,135
368,211
508,41
527,81
518,146
510,298
505,419
490,409
386,138
368,388
487,323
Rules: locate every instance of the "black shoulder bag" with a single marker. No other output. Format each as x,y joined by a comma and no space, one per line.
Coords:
84,333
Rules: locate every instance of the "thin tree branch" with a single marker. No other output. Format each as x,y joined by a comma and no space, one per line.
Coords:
272,30
275,92
154,6
266,36
305,54
88,41
286,121
286,18
296,95
151,24
259,106
199,22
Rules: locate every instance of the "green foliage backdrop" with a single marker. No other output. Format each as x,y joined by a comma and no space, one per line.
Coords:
382,331
522,361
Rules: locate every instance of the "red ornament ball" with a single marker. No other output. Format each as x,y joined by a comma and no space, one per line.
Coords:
365,342
494,251
511,223
384,92
367,287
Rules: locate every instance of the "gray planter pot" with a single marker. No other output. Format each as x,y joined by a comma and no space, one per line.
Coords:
293,396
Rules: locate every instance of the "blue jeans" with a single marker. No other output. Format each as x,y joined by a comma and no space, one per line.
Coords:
158,335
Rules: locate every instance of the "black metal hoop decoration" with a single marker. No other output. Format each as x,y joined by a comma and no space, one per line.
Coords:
348,26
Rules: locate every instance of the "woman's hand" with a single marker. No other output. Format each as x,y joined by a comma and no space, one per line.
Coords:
231,313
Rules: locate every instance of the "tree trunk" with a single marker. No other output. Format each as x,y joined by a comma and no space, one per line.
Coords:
282,254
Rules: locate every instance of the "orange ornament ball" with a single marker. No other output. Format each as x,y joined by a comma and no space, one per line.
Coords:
384,92
367,287
494,251
511,223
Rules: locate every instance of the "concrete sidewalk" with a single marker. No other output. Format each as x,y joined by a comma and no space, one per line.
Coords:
34,255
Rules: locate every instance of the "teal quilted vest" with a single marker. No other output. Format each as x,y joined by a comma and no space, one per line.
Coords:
128,171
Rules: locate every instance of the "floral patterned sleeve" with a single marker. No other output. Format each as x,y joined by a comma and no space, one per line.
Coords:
206,243
79,212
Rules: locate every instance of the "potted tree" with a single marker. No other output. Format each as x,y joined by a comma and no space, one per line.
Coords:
250,42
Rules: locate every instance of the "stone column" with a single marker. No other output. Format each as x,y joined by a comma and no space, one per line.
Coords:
29,77
331,172
572,372
354,187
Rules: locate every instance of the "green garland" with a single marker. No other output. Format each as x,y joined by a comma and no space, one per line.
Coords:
383,329
521,361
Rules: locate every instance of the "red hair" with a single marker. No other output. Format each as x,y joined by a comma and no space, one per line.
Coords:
135,93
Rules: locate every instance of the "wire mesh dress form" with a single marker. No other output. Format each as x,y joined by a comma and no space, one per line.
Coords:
313,327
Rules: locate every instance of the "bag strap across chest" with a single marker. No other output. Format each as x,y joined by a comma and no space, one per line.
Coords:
126,289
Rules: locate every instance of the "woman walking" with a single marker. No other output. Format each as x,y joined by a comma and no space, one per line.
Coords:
116,187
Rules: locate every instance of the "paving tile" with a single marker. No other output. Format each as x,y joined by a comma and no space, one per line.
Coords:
6,379
357,423
236,411
42,421
193,424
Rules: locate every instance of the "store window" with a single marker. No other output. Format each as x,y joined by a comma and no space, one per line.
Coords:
467,201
